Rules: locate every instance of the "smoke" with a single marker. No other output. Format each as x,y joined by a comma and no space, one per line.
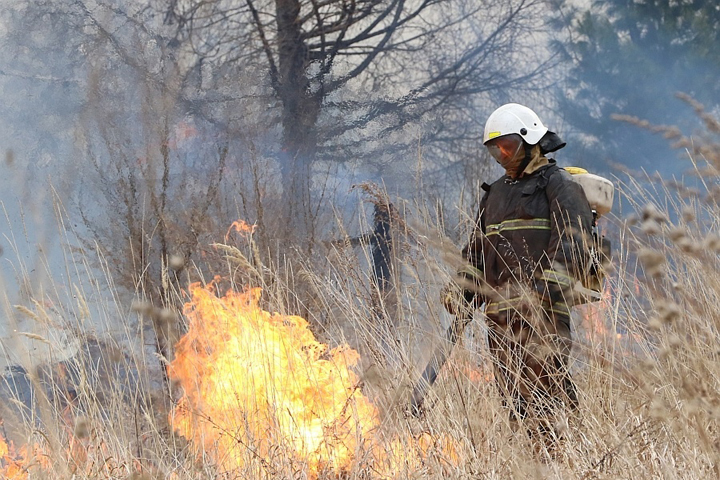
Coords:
632,59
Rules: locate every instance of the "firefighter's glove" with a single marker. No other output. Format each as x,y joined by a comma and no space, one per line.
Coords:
460,296
458,301
550,292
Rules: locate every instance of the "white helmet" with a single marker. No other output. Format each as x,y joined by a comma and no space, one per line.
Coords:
513,118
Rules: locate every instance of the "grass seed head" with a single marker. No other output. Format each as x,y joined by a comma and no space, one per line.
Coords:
658,409
26,311
677,233
141,307
650,226
688,214
655,323
652,260
651,212
669,311
632,220
712,243
82,428
688,245
166,316
176,262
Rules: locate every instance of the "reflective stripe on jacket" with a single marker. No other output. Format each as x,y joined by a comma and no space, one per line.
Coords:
533,228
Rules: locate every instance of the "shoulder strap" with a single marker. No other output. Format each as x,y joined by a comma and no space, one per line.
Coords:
552,168
540,179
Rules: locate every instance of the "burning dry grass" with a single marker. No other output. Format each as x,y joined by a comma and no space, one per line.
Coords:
261,394
263,398
270,395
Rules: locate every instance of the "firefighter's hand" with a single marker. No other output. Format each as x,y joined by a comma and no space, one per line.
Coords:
457,301
550,292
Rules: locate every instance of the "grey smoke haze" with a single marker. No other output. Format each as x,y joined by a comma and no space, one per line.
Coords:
47,74
632,58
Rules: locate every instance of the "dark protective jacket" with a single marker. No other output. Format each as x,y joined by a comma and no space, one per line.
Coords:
533,229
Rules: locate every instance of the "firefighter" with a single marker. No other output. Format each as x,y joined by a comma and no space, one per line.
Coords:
529,248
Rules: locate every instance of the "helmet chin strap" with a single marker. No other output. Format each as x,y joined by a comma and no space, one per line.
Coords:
525,161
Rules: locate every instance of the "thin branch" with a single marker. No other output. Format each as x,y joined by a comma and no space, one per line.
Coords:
274,75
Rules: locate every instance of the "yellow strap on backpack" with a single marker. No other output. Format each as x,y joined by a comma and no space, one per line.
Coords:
598,190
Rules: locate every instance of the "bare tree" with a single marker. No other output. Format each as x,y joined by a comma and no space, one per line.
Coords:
349,76
333,80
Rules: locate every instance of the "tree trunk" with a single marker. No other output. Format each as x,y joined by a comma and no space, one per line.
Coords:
299,116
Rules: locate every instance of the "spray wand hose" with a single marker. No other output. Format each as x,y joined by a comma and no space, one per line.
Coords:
437,360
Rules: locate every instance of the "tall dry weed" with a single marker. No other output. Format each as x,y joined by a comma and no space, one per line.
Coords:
646,357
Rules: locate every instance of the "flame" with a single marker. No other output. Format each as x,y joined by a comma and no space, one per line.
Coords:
477,374
80,457
261,392
18,463
263,381
595,316
241,227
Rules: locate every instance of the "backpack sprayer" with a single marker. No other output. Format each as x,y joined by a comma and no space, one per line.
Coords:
600,193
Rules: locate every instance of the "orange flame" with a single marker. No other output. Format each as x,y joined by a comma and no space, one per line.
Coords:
81,457
18,463
474,373
260,391
241,227
263,381
595,317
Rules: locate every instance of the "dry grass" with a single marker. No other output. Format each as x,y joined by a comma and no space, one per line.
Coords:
646,360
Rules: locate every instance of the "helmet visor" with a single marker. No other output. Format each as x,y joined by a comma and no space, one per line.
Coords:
504,149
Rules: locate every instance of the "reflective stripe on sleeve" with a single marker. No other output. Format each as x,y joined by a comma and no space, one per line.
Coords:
495,308
470,271
557,277
560,308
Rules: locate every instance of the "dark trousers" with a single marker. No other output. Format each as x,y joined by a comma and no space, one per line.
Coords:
530,351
